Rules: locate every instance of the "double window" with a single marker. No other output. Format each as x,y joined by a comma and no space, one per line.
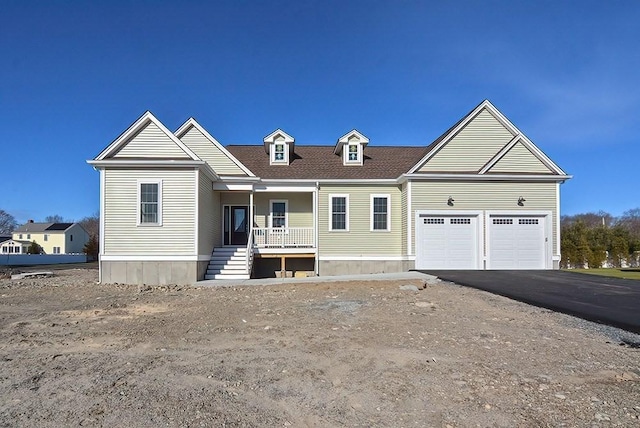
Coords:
150,203
339,212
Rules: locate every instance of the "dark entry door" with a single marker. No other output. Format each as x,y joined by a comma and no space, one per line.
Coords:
239,225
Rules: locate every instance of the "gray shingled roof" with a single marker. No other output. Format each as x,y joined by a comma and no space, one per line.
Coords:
319,162
42,227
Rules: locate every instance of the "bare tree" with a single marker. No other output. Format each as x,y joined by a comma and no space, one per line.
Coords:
92,225
7,223
54,219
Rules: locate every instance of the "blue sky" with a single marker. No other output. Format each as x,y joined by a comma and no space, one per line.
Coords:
75,74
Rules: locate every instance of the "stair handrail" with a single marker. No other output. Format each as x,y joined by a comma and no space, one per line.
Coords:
249,258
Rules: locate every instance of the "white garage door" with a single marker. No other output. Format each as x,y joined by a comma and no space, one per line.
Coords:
446,242
516,242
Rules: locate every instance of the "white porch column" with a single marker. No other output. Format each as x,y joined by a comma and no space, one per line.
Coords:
251,214
315,226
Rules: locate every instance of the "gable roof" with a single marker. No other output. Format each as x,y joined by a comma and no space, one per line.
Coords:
140,124
192,123
320,162
445,138
43,227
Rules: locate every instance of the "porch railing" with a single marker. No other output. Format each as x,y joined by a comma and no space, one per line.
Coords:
249,259
283,237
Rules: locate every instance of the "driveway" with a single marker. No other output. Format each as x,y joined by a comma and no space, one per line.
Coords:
611,301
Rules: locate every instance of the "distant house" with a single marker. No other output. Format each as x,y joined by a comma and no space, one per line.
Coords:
54,238
177,207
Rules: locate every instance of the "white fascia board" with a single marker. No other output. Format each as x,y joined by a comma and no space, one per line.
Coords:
271,137
192,122
283,188
146,162
334,181
247,187
487,177
136,127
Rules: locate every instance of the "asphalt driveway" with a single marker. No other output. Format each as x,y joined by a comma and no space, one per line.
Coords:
610,301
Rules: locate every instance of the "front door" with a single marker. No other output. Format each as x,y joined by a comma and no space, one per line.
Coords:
236,225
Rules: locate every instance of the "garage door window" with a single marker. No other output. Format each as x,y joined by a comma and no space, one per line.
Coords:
460,221
502,221
528,221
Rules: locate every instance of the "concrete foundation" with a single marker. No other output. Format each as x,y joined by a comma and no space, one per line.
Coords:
152,272
357,267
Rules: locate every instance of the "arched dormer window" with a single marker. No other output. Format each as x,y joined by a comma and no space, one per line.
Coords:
279,147
351,147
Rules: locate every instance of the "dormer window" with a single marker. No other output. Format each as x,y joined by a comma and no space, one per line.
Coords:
354,152
279,152
279,147
351,147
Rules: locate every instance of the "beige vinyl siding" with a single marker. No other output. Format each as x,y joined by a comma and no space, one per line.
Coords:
234,198
472,147
210,153
299,206
519,159
484,196
122,236
151,142
208,216
360,240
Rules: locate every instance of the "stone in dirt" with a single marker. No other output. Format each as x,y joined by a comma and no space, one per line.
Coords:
409,288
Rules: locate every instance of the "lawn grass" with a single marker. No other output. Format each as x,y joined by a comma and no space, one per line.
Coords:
615,273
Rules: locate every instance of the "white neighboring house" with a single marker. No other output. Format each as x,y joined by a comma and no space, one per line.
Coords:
53,238
179,207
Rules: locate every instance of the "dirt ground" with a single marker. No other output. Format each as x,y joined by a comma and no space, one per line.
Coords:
357,354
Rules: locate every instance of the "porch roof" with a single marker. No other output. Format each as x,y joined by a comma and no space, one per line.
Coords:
320,162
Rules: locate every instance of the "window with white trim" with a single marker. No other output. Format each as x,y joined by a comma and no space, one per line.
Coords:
46,237
279,153
56,250
278,217
353,152
150,203
380,212
339,212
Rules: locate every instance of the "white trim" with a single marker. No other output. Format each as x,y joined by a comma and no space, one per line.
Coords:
409,220
289,189
102,222
233,186
192,122
285,153
154,258
485,177
365,257
504,121
346,220
388,198
345,138
345,154
137,126
148,162
558,252
548,264
503,151
286,213
316,221
196,214
271,137
480,255
139,223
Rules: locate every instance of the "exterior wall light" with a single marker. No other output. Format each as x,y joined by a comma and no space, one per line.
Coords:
450,201
521,201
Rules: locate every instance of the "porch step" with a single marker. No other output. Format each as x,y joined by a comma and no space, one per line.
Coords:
228,263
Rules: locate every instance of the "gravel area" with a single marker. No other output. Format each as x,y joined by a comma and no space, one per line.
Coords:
359,353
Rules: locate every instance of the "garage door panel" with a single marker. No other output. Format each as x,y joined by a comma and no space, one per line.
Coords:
516,242
447,242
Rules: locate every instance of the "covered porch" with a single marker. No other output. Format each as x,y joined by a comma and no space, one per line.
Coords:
276,224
